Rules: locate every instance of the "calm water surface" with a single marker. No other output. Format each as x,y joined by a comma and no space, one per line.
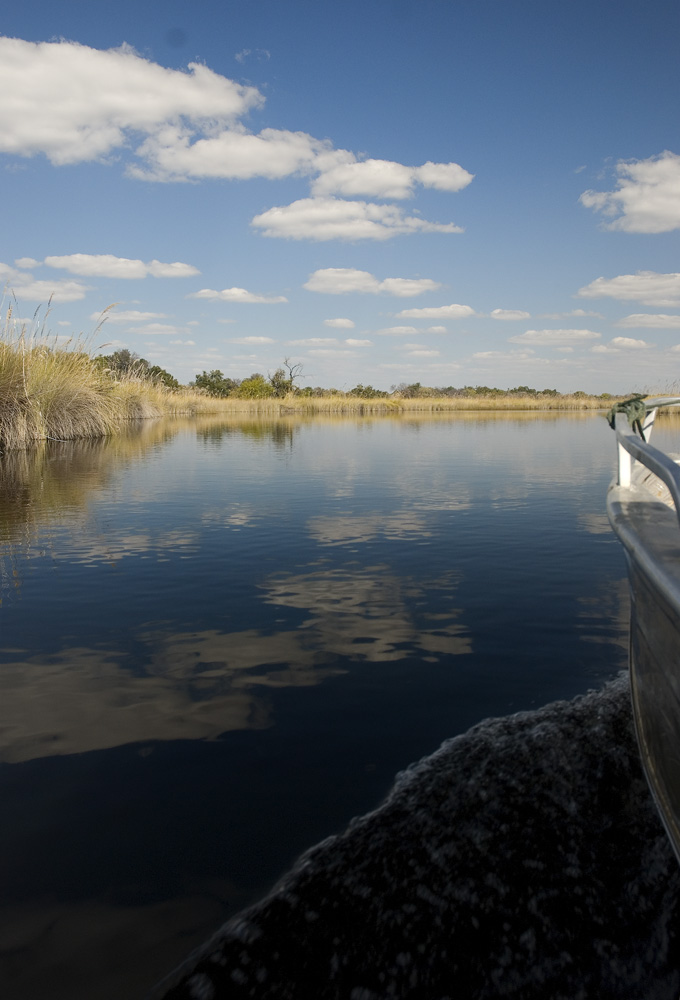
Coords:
222,638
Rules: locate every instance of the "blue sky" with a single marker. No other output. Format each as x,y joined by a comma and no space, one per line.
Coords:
386,191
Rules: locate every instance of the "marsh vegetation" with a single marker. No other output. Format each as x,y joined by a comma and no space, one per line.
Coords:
50,390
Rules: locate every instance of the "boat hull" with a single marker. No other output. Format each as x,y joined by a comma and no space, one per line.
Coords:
650,534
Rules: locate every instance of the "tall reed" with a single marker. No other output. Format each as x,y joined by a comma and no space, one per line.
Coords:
55,391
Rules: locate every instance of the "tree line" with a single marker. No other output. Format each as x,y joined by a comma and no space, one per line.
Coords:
284,381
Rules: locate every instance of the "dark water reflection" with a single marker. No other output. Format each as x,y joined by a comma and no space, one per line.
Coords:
221,638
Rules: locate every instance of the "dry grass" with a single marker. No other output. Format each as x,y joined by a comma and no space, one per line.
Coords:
354,405
53,391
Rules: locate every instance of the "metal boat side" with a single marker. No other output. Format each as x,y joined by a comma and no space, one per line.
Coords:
642,505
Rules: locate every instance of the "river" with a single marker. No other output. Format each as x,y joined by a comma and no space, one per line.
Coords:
221,638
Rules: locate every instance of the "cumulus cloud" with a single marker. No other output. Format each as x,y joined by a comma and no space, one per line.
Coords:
340,323
330,352
313,341
358,343
334,219
252,340
127,316
549,337
582,313
105,265
454,311
235,295
647,287
343,280
509,314
628,343
74,103
24,286
399,331
386,179
653,321
646,198
436,329
173,153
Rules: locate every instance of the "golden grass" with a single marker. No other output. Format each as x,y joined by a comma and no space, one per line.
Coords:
52,391
355,405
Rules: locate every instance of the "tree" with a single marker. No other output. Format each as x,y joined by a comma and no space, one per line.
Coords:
158,374
126,364
366,392
281,385
215,384
255,387
123,362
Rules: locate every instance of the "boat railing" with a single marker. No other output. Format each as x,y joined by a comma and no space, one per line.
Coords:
632,436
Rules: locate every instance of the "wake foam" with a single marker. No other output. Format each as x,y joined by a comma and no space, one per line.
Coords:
523,859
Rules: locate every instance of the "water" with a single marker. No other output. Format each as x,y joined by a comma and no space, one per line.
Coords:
221,639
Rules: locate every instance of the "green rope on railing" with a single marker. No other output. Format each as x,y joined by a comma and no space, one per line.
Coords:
634,408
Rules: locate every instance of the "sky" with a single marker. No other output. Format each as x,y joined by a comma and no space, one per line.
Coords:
385,191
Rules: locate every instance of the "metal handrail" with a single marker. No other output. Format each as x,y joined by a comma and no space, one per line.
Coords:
632,447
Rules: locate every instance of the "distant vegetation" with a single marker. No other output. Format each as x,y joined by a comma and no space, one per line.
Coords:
52,391
283,384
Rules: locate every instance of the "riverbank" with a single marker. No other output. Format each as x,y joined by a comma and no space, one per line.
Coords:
50,391
347,403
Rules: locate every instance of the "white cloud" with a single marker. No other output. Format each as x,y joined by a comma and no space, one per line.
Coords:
646,198
582,313
252,340
443,176
399,331
259,54
647,287
628,343
235,295
344,280
340,323
233,154
330,353
509,314
422,354
387,179
333,219
314,341
358,343
74,103
653,321
105,265
27,262
24,286
453,311
436,329
549,337
126,316
183,343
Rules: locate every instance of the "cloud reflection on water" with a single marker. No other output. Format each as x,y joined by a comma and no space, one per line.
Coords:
200,684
